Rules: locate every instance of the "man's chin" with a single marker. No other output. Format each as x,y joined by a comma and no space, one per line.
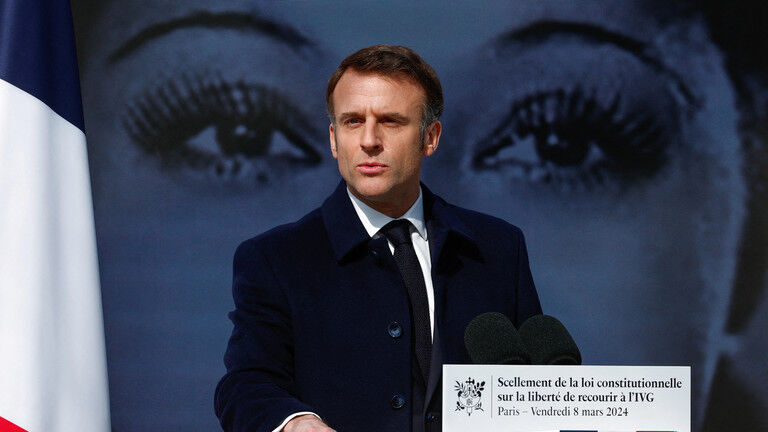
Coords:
372,194
371,188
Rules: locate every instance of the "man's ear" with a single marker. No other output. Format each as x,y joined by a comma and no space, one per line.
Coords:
332,139
432,138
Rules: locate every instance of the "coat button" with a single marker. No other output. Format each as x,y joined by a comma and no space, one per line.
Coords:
431,417
395,329
376,256
397,402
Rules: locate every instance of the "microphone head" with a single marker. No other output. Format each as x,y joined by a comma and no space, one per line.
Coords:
491,338
548,342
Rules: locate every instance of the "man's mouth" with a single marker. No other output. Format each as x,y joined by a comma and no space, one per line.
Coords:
371,168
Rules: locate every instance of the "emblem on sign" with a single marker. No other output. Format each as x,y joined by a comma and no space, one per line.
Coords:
469,393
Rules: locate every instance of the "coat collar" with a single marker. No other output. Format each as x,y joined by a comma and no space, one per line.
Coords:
346,232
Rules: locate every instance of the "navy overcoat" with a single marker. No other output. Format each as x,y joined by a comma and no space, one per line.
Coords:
322,322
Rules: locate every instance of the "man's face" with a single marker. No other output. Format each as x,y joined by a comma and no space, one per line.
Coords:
376,137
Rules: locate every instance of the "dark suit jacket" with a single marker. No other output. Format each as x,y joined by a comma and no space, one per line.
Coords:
322,322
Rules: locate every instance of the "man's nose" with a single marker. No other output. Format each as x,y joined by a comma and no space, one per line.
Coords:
370,139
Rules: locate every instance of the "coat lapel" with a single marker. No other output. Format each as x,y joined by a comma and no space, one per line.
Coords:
345,231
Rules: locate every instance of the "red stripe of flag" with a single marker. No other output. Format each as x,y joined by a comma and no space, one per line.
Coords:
6,426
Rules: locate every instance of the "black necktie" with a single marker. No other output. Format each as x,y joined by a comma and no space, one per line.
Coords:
399,234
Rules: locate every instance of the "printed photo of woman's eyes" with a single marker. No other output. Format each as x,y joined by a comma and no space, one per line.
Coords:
572,140
228,130
585,123
623,138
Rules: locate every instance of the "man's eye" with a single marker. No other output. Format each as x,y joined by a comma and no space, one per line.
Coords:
231,131
572,139
391,122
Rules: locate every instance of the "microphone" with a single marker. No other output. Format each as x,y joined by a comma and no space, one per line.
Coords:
548,342
491,338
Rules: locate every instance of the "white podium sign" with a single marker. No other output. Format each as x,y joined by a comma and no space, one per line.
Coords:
511,398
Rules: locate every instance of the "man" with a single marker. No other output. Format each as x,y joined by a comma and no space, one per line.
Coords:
344,318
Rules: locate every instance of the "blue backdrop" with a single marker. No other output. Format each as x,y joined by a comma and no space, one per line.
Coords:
626,139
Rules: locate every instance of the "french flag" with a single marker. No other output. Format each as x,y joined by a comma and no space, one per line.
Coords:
53,374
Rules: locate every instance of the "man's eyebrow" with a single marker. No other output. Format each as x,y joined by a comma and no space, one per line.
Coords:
541,30
347,114
205,19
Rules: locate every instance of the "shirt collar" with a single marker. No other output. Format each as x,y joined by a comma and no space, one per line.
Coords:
373,221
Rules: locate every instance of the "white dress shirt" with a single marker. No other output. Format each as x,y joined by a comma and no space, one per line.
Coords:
373,221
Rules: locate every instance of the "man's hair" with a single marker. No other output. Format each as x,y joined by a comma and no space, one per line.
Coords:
393,61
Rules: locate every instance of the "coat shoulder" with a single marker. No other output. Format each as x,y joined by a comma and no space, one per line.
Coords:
484,225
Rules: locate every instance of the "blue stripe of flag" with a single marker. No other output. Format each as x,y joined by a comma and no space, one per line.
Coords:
37,54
